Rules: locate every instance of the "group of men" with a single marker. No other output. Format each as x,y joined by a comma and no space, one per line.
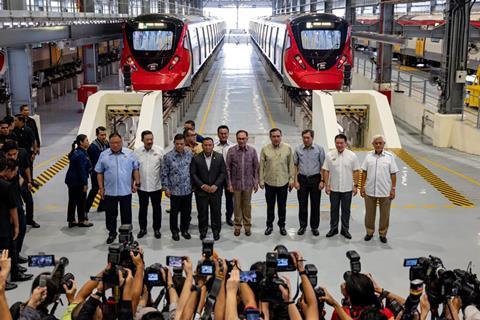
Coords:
19,145
209,169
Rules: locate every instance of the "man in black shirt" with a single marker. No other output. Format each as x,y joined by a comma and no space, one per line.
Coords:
30,122
5,133
9,225
25,135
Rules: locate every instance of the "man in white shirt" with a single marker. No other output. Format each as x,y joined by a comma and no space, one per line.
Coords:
150,161
378,185
340,173
222,146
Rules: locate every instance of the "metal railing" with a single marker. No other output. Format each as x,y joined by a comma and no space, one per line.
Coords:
415,85
30,13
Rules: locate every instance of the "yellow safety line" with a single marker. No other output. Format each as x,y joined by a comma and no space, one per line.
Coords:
44,163
209,105
444,188
461,175
267,106
49,173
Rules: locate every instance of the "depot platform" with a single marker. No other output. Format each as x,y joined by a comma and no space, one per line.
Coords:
238,92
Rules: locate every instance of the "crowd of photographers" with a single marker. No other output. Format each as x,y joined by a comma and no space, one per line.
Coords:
218,288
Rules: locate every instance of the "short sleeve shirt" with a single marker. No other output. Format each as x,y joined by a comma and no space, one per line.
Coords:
7,202
379,168
340,167
309,159
117,169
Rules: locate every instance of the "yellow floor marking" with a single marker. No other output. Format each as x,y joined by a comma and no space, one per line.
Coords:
44,163
209,105
267,105
409,206
49,173
445,168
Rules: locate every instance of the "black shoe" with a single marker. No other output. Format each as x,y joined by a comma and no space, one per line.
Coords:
33,224
216,236
368,237
22,269
175,236
383,239
72,224
21,259
142,233
21,277
315,232
301,231
157,234
230,222
331,233
186,235
203,235
283,232
346,234
268,231
111,239
10,286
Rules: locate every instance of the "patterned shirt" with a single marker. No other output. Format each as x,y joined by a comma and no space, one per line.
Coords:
117,169
242,168
276,165
176,172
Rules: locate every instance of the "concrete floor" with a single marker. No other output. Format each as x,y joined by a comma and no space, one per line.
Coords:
238,93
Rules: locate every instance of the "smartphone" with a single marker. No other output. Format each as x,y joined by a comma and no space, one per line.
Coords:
174,262
248,276
41,261
412,262
252,314
43,281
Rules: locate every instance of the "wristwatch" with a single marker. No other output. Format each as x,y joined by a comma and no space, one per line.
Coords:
355,185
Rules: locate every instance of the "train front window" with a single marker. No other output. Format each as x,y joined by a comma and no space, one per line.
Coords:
321,39
152,40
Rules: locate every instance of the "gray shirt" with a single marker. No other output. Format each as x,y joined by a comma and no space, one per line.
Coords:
309,160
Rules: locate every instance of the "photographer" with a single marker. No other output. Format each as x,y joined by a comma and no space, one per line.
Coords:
308,301
359,293
41,298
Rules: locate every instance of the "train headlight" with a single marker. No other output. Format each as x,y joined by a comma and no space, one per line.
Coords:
300,62
174,62
341,62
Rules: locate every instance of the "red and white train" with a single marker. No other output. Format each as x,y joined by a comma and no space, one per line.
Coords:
307,50
166,51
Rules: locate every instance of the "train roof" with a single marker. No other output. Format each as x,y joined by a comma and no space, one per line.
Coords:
299,17
155,17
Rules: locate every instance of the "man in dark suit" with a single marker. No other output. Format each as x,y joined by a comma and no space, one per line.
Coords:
208,173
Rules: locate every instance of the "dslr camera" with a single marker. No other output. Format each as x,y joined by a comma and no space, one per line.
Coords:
207,267
153,276
355,265
58,277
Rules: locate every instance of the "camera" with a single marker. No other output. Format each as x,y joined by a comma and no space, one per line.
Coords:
248,276
153,276
207,248
413,299
467,287
283,259
59,278
355,265
311,272
321,304
41,260
207,267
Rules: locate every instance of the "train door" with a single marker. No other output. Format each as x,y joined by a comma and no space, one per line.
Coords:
199,47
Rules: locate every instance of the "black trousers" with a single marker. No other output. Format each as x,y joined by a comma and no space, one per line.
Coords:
337,199
92,194
156,199
212,204
111,212
278,195
10,244
309,187
228,203
22,222
28,200
76,201
182,205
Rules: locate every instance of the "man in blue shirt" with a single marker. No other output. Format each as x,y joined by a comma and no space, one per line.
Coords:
178,186
115,169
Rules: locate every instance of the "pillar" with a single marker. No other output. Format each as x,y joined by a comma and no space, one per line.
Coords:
328,6
90,63
313,6
385,51
172,6
303,7
20,72
349,12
